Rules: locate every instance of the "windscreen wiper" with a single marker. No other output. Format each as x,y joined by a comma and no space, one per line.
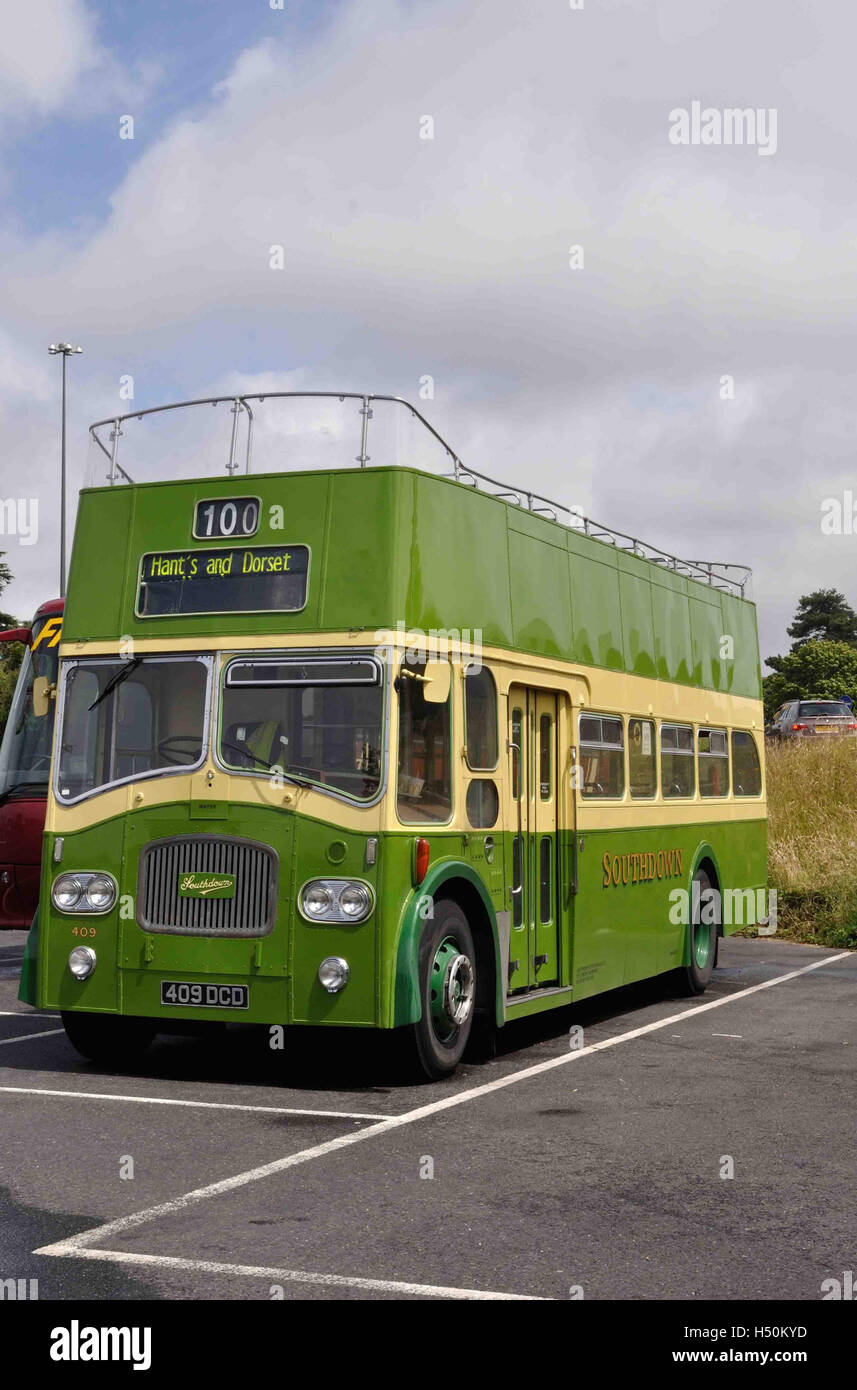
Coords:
119,677
272,767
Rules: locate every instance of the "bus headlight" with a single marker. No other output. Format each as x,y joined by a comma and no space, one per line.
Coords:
100,893
317,900
66,892
85,892
332,974
82,961
336,900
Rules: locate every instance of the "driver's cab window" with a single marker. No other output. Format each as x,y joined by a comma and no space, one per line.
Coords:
134,733
315,719
424,787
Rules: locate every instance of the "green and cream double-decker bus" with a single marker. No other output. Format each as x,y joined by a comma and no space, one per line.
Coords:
349,735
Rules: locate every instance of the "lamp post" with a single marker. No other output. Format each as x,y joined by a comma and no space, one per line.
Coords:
64,350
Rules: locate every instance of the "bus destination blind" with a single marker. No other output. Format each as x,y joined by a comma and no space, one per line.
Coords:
249,579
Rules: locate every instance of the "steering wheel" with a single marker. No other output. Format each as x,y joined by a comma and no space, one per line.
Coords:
186,755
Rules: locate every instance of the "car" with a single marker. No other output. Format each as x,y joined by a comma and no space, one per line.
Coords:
800,718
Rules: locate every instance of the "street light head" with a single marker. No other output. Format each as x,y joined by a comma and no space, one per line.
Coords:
64,348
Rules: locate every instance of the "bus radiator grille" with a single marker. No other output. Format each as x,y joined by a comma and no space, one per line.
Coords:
166,864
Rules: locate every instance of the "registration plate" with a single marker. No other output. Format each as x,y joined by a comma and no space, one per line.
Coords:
182,994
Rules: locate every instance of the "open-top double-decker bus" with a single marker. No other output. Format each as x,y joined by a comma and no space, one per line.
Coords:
372,746
25,759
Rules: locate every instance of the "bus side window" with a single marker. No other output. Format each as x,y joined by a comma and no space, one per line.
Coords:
545,741
480,719
425,774
677,760
713,754
642,767
482,803
602,755
746,769
517,731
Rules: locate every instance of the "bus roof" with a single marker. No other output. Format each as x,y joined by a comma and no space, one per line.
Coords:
49,609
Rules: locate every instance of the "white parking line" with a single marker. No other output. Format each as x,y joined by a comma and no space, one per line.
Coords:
75,1244
195,1104
31,1013
26,1037
300,1276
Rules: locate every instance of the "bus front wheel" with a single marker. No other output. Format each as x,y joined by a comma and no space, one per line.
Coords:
107,1038
693,978
447,975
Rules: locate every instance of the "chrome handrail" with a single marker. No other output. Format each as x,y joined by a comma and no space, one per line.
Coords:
715,573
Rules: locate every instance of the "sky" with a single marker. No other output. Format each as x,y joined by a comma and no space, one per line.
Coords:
684,375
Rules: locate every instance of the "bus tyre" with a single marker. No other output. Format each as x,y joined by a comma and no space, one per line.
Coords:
702,947
447,975
107,1038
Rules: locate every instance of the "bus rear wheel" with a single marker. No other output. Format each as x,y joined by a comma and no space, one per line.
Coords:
107,1038
447,974
693,978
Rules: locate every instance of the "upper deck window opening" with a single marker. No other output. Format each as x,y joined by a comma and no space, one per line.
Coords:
318,720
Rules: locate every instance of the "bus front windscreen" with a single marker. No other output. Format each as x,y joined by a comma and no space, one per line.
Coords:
25,753
123,719
316,720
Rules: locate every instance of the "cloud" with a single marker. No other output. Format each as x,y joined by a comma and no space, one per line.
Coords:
52,63
48,45
450,257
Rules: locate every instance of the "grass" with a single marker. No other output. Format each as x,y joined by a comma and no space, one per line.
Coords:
812,839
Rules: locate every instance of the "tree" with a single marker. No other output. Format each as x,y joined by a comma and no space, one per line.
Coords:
11,656
812,670
823,616
11,653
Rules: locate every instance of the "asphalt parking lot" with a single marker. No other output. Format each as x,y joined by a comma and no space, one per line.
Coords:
313,1173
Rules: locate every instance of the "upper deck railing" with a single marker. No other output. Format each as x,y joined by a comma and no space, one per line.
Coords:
322,439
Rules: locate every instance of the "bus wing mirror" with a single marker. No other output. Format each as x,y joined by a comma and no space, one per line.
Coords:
17,634
436,682
43,692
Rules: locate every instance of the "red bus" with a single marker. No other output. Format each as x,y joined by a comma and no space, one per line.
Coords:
25,759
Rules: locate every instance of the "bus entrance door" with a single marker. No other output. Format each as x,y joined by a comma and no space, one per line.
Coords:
533,955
